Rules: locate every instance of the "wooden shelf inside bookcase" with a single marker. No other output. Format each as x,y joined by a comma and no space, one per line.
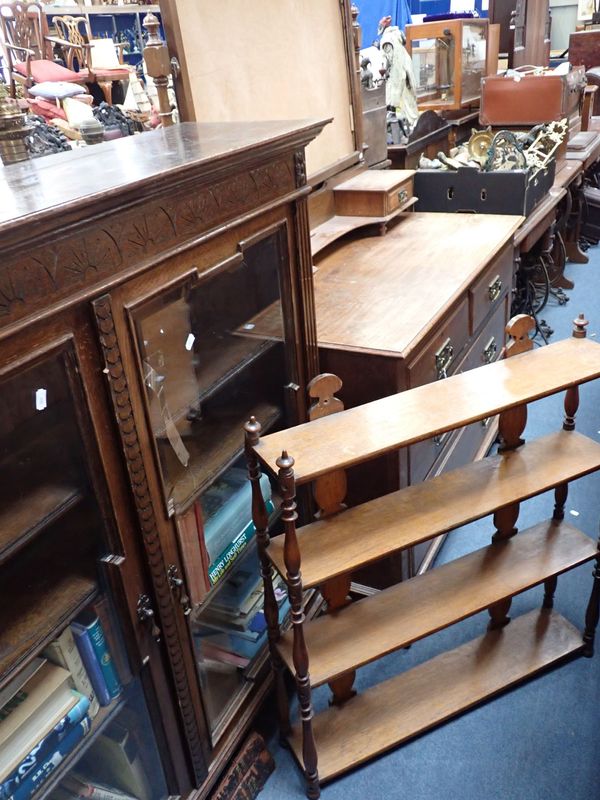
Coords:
415,701
360,433
22,517
396,617
219,364
216,446
47,587
331,546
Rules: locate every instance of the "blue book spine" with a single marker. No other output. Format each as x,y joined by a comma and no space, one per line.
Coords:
45,747
47,766
91,663
104,657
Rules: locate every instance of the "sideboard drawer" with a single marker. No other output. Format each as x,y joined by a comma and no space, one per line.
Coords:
488,345
424,456
441,356
490,288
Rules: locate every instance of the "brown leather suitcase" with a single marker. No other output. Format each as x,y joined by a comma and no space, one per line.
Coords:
532,99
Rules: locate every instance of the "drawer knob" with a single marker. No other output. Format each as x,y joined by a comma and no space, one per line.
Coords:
443,359
494,289
489,351
440,439
402,196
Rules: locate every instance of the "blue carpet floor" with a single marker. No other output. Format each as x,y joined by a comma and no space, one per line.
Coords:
539,741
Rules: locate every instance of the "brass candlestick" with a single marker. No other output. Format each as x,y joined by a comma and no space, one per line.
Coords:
13,132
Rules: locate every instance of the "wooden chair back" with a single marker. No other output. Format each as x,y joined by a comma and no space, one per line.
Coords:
23,27
75,30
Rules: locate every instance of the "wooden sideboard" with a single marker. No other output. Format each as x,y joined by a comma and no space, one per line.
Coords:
428,300
113,361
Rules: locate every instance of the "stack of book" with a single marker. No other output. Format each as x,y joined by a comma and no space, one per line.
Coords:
228,528
49,707
216,530
232,628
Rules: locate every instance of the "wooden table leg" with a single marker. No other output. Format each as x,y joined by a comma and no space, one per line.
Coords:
574,252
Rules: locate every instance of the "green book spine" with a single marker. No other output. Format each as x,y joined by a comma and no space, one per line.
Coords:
225,561
104,657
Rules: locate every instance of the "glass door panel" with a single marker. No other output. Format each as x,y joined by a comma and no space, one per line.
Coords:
65,681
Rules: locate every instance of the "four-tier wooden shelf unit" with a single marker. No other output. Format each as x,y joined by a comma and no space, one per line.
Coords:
322,554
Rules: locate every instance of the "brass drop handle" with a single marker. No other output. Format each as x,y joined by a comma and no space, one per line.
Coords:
145,614
443,359
178,588
494,289
489,351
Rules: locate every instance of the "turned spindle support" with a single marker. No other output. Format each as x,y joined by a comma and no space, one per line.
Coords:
260,518
158,67
329,492
592,614
511,424
291,557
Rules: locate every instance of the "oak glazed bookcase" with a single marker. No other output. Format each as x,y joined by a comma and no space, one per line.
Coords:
130,272
330,648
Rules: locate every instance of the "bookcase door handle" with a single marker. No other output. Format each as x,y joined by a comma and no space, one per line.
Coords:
145,614
178,588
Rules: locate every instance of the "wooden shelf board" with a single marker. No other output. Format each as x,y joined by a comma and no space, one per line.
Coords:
335,227
365,533
24,517
369,430
215,447
23,626
411,610
425,696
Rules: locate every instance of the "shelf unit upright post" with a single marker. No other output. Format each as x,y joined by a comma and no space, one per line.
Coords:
360,726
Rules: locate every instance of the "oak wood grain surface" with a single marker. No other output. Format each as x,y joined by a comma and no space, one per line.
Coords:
135,164
410,277
342,542
419,699
398,420
396,617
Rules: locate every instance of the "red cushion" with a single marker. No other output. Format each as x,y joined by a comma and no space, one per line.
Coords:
46,109
44,70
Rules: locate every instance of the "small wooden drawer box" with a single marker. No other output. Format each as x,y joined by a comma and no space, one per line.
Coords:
374,193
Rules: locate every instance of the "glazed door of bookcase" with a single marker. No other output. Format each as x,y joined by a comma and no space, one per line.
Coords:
214,340
79,696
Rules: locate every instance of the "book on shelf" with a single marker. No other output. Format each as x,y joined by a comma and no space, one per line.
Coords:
41,702
14,686
227,558
14,774
245,644
96,656
226,507
103,610
219,655
115,759
195,567
37,777
78,785
63,651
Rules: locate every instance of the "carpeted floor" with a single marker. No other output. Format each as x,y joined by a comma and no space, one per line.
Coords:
539,741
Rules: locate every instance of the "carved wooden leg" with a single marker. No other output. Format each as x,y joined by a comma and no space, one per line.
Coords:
335,592
260,519
511,425
549,589
560,498
106,87
499,614
291,557
504,520
571,406
592,613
